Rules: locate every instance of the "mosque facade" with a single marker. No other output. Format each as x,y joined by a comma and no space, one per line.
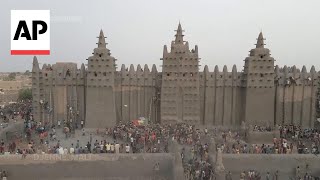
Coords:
261,93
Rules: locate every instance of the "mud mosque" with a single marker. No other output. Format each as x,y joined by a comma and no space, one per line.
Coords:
259,94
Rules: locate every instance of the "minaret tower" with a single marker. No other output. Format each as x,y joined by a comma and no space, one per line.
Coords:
100,99
180,82
37,91
259,84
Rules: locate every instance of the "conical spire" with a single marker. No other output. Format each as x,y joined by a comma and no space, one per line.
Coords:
82,70
234,69
304,69
123,68
277,70
206,69
44,66
35,64
179,35
165,50
312,70
260,41
154,69
146,69
101,42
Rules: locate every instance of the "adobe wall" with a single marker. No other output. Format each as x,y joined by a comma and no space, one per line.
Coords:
220,94
135,92
57,85
286,164
295,96
86,166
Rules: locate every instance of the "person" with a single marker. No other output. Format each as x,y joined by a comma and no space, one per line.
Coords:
117,147
4,175
65,151
71,149
297,172
82,123
182,156
156,167
229,176
78,144
83,132
89,147
77,151
243,175
101,146
96,144
59,123
131,140
61,151
66,131
268,177
276,175
24,153
112,148
108,147
127,148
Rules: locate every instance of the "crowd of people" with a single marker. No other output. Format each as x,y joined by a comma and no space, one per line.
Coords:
11,111
292,139
155,138
3,175
197,166
251,175
150,138
127,137
279,146
307,140
296,133
262,128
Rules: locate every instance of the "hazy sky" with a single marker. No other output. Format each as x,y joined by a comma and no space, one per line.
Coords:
136,30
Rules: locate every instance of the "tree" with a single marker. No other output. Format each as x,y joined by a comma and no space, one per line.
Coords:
12,76
27,73
25,94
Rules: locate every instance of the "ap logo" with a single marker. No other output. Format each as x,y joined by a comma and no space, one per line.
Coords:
30,32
